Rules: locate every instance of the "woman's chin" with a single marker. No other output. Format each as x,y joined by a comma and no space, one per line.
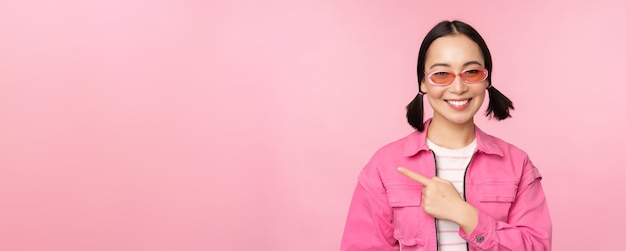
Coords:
460,119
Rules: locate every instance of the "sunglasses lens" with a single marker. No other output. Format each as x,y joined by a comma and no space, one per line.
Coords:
474,75
442,77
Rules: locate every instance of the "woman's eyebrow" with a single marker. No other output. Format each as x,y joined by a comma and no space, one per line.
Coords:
448,65
439,64
472,62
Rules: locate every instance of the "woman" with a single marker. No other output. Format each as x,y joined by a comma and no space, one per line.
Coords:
448,185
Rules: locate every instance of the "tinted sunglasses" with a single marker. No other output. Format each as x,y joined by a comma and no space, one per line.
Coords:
470,76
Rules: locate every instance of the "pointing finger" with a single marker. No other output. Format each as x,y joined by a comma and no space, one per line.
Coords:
415,176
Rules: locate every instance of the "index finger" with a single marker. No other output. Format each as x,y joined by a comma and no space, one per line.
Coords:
415,176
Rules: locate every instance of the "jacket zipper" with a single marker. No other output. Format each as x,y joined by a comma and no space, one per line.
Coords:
465,188
436,228
464,194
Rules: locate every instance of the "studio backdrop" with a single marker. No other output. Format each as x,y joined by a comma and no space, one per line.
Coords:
242,125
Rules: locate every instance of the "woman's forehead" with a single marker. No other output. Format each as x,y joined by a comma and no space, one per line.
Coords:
453,50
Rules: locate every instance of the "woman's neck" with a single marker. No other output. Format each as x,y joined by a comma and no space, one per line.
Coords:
451,135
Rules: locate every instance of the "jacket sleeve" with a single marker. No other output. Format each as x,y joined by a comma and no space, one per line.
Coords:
529,226
369,224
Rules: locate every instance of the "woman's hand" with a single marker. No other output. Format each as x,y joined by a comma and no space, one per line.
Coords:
442,201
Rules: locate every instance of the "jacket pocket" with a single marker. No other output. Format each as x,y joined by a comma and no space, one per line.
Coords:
497,197
406,203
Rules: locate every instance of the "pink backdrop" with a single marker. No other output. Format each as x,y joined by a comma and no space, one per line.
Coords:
242,125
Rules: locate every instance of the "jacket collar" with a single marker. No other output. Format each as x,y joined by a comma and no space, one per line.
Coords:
417,142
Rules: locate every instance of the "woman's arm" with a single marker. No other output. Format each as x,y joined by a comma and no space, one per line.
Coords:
369,224
528,226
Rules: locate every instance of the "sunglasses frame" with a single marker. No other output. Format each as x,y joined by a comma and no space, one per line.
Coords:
460,74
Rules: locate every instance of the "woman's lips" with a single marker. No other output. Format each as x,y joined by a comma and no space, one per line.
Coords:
458,104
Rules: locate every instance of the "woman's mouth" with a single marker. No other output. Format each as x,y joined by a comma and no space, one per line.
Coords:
459,104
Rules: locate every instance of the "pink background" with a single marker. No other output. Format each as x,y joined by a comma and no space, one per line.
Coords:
242,125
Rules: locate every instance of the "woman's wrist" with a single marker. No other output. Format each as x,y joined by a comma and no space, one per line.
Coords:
467,217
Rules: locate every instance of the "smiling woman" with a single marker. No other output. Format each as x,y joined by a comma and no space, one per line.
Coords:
456,187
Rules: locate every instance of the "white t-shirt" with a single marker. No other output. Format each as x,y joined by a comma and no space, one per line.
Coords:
451,165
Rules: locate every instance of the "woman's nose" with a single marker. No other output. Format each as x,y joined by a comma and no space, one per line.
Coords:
458,85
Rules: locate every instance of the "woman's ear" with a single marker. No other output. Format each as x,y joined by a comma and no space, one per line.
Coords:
423,87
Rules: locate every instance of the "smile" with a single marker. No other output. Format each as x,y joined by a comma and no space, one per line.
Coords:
458,102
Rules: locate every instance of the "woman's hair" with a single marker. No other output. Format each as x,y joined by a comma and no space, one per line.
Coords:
499,104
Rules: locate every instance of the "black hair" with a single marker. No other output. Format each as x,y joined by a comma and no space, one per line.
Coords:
499,105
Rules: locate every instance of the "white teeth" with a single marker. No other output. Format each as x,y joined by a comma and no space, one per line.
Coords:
458,103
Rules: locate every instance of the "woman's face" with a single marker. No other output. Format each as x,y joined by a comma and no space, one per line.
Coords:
458,102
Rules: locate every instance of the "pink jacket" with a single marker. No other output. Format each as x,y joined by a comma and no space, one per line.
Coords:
500,181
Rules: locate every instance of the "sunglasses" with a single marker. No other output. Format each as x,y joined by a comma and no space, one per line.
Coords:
470,76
